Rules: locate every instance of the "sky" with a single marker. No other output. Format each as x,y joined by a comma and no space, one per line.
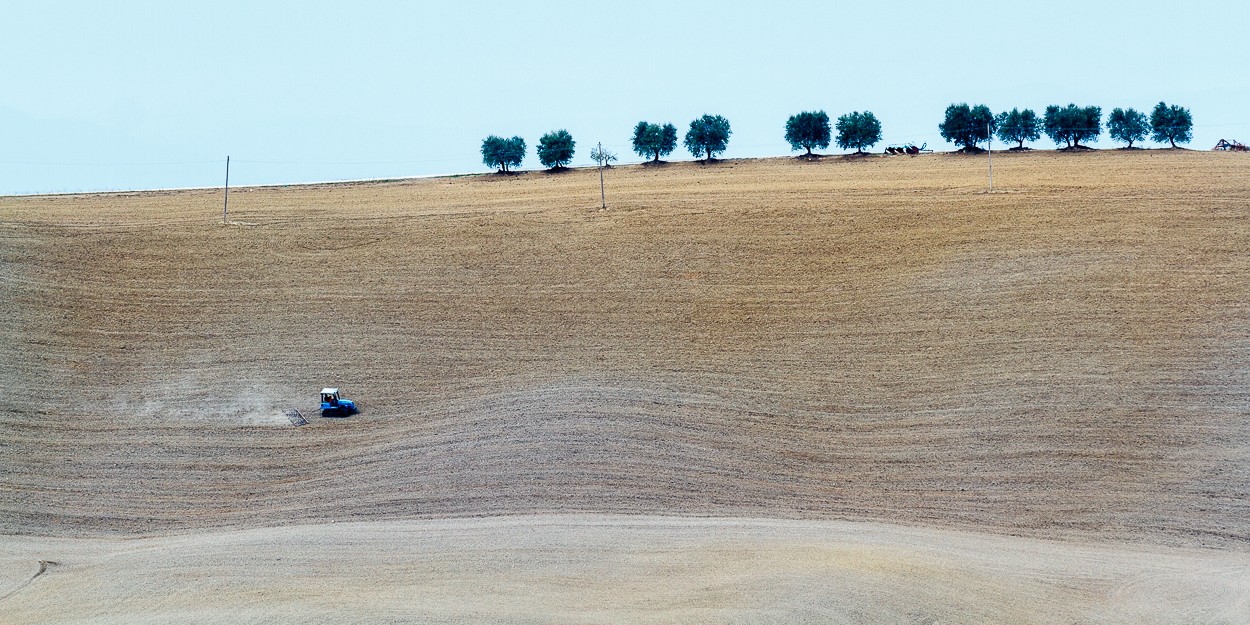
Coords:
142,95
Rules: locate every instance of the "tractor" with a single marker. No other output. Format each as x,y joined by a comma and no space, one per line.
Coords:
334,406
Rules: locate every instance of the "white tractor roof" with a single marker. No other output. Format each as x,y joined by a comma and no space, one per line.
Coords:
329,390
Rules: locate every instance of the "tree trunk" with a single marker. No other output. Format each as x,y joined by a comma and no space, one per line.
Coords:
1021,146
809,150
657,157
1173,140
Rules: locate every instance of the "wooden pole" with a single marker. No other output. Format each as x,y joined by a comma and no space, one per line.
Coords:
603,198
225,204
989,153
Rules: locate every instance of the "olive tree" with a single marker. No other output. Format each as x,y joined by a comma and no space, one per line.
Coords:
1127,125
1072,124
653,140
967,126
808,130
602,157
858,130
1019,126
1171,124
503,153
708,135
555,149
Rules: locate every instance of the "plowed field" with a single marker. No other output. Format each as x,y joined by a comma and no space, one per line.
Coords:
747,362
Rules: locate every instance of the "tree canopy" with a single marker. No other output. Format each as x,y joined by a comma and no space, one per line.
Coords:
555,149
1127,125
858,130
653,140
1072,124
1019,126
1171,124
602,156
708,135
503,153
967,125
808,130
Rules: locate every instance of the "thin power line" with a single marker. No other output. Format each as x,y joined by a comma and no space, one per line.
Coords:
89,164
410,162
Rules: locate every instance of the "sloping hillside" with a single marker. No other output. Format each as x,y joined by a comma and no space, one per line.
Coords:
912,372
876,339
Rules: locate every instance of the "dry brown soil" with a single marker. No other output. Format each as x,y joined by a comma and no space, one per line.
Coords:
855,346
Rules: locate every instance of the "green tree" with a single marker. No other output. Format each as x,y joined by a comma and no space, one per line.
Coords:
503,153
1072,124
1127,125
653,140
1171,123
708,135
808,130
555,149
1019,126
967,125
858,130
602,157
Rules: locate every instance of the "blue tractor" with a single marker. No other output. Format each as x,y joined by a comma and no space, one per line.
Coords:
334,406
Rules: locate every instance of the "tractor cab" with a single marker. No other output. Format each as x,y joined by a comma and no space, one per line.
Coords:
334,406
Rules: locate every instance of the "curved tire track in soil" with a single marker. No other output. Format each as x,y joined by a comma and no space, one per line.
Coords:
44,565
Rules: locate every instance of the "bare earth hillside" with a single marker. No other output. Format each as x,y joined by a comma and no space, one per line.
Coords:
753,374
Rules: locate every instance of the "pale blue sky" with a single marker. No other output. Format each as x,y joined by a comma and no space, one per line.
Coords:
135,95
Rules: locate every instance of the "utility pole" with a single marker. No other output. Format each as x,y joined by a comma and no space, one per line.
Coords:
603,199
225,204
989,153
605,160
